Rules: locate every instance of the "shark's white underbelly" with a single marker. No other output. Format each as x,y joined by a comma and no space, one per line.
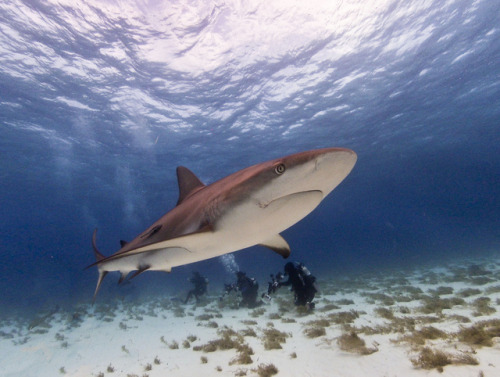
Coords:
245,225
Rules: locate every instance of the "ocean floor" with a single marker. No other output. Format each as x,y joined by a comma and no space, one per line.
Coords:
439,322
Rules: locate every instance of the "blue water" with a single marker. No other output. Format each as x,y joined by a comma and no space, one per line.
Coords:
101,101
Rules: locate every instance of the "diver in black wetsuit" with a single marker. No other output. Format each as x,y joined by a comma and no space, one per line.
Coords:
248,287
302,282
200,286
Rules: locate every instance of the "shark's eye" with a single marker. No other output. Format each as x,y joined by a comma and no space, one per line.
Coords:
280,169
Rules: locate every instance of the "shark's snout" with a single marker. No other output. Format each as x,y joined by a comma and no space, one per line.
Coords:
329,168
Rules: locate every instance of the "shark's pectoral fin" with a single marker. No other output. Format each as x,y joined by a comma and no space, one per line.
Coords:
277,244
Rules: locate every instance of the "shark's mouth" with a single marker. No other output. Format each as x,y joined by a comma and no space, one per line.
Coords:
299,197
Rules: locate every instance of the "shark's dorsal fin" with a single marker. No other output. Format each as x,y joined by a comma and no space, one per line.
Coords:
188,183
277,244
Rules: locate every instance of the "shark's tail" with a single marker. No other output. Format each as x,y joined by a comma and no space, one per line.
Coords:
98,257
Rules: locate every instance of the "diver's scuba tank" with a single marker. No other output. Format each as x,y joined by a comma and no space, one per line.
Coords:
304,270
306,275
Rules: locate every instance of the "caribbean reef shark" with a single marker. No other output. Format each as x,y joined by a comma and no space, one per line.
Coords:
247,208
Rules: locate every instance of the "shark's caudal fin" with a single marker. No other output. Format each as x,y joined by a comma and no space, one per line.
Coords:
98,257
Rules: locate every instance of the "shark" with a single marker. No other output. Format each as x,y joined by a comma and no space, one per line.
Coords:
247,208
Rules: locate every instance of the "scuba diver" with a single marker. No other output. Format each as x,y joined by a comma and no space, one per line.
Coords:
200,286
248,287
273,285
302,282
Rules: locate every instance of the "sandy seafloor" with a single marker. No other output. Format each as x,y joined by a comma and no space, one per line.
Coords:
442,321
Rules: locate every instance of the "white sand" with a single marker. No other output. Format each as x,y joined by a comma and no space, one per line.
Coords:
128,339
